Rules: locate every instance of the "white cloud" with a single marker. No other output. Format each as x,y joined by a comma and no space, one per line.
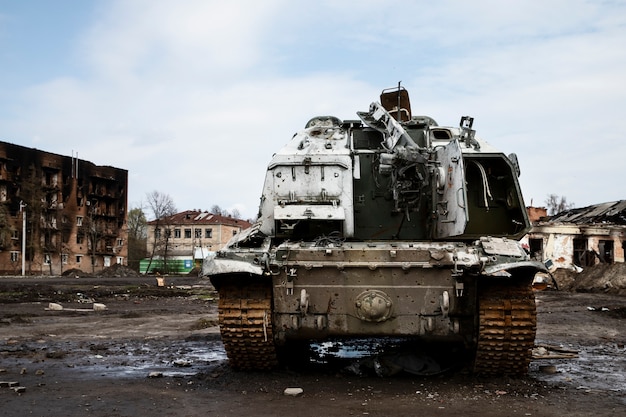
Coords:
153,40
193,97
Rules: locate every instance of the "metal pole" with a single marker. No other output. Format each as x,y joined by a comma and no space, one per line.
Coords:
23,210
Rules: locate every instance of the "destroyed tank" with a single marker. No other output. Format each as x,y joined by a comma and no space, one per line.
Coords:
388,226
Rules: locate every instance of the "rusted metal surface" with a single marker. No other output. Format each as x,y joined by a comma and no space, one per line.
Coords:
507,327
245,318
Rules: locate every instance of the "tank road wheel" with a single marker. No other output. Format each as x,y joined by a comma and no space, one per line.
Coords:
245,317
507,327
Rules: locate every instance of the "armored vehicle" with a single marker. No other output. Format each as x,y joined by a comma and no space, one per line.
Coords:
387,226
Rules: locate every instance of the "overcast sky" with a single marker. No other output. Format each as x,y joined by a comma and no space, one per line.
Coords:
193,97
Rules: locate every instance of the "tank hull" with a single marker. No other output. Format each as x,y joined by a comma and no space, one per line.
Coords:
426,291
373,289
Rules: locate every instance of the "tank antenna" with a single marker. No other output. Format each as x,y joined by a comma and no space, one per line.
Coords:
398,112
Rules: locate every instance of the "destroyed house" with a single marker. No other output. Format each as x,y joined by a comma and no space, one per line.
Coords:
581,237
180,242
73,213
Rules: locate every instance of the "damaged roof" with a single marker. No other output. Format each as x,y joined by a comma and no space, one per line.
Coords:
197,217
605,213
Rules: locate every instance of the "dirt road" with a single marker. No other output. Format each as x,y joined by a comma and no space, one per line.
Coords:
157,351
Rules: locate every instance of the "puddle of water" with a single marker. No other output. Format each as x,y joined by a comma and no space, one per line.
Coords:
601,367
387,356
177,358
170,358
348,349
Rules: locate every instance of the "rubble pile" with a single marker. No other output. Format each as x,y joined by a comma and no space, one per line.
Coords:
114,271
608,278
118,271
74,273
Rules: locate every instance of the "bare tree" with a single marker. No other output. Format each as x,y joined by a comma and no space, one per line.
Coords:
5,228
556,204
95,229
6,231
234,213
137,237
162,206
53,236
33,195
215,209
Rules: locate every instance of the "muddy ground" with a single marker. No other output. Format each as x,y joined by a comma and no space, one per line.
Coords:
157,351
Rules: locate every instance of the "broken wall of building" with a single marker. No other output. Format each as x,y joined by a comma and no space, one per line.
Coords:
76,212
568,245
580,237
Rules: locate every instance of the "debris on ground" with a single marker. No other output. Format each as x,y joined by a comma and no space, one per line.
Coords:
293,392
59,307
74,273
553,352
118,271
605,278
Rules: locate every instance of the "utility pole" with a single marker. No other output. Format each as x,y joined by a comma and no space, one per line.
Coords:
23,210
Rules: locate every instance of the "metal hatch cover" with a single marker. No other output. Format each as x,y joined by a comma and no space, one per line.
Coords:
500,246
452,212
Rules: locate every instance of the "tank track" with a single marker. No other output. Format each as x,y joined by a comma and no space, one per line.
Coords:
245,318
507,327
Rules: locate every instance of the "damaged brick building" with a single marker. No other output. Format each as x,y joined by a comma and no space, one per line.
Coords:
581,237
75,213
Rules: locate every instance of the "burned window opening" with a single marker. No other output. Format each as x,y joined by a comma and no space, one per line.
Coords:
535,247
606,253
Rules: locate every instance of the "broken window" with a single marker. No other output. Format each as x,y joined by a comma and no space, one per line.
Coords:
64,258
605,248
536,249
79,220
187,233
197,233
177,233
208,233
51,179
582,256
79,258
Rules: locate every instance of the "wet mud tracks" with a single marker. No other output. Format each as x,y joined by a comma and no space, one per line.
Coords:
157,351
